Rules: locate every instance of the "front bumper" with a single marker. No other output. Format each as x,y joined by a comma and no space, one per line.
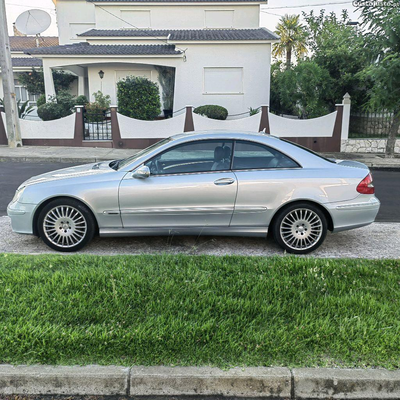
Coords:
355,213
21,217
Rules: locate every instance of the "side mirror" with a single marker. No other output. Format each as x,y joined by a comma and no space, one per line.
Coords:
142,172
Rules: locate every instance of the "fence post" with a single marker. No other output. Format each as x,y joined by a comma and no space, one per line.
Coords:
337,130
189,124
264,120
79,126
346,116
115,132
3,135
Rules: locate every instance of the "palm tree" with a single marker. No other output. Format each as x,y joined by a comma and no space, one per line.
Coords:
293,37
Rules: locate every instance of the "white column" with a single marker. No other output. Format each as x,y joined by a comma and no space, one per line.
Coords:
48,81
346,116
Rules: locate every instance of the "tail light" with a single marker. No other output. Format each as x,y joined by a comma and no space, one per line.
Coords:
366,186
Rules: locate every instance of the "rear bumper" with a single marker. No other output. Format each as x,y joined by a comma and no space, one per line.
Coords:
354,214
21,217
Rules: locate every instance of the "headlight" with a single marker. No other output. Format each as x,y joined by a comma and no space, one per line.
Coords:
18,193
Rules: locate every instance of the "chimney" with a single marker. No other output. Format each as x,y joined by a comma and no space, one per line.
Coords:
16,31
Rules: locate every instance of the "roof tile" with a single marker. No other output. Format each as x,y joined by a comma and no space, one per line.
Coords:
21,43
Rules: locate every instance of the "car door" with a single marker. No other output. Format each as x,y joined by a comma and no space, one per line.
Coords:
190,186
265,179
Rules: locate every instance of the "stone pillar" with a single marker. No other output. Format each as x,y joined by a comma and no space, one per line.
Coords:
48,81
346,116
264,120
79,126
189,124
3,134
118,143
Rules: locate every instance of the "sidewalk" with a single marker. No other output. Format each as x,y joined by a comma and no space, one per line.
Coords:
95,154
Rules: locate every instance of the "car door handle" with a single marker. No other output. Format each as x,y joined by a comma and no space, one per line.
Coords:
224,181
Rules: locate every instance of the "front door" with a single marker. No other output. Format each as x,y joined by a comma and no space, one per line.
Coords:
190,186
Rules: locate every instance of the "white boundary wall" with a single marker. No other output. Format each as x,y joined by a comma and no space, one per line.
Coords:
250,124
131,128
316,127
63,128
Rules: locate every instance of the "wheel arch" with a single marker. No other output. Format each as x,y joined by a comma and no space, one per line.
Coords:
327,214
44,203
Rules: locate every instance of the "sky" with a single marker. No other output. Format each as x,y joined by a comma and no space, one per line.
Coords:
269,16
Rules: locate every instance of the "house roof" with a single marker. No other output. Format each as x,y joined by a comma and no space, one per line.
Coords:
21,43
26,62
104,49
187,34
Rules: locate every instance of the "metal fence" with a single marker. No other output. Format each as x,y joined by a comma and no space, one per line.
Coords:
97,124
370,124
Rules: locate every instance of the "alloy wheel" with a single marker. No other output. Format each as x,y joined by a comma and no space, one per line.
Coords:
65,226
301,229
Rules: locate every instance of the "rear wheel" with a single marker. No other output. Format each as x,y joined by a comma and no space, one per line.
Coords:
300,228
66,225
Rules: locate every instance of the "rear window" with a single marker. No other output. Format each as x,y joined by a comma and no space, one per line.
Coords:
309,150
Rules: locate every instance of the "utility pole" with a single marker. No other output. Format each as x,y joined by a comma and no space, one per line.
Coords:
10,103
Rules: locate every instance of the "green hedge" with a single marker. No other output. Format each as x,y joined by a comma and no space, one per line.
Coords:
138,98
212,111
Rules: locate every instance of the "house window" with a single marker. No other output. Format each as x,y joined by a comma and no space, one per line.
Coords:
219,18
22,94
77,28
135,18
223,80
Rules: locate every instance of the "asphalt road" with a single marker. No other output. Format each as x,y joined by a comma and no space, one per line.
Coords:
12,174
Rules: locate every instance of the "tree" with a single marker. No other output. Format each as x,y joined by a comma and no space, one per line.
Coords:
300,90
381,21
34,81
292,38
341,50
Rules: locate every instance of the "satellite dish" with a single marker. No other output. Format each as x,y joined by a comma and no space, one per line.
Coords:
33,22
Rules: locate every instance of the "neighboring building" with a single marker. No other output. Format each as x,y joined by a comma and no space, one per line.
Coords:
22,62
219,52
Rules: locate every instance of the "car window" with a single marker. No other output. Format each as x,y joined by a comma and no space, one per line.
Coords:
199,156
250,155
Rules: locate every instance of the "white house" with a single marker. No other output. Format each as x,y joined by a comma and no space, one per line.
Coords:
219,52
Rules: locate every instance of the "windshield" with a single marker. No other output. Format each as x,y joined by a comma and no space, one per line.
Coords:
127,161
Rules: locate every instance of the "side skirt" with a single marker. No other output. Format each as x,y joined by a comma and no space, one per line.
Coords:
208,231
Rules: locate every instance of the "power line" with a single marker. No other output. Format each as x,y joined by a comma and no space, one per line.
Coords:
270,13
21,5
143,30
310,5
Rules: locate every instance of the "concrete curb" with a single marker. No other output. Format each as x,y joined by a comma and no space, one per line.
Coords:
163,382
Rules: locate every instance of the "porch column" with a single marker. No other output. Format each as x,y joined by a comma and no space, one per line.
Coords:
80,72
48,81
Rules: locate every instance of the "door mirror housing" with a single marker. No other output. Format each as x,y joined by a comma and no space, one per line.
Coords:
142,172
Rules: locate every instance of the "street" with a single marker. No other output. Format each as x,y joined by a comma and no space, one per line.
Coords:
12,174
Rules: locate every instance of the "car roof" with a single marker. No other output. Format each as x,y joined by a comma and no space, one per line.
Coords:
225,134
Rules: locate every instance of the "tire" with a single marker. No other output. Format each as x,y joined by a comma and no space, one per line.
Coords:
66,225
300,228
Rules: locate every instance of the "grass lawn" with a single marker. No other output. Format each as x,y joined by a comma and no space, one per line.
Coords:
188,310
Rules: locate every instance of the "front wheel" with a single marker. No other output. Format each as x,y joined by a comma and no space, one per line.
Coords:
66,225
300,228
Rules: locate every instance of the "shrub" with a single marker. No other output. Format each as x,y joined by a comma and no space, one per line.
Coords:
41,100
81,100
212,111
57,107
103,101
94,112
138,98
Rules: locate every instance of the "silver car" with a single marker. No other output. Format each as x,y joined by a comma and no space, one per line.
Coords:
207,183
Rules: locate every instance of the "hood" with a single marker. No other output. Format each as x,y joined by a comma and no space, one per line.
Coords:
71,172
